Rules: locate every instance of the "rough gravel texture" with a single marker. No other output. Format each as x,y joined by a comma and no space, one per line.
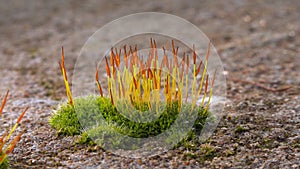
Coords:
257,41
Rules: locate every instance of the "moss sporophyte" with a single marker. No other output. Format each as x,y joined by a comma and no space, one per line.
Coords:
7,146
140,89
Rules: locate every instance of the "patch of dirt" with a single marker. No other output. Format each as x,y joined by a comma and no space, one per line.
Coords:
258,41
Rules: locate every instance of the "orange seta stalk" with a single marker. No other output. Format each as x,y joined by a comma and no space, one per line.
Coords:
205,90
10,148
210,93
150,74
134,81
21,116
111,97
98,83
2,138
16,125
64,73
199,68
107,67
2,141
206,83
4,102
174,53
13,144
125,57
6,136
194,55
141,76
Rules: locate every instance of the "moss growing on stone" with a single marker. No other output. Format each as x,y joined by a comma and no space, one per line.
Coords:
92,110
65,120
144,98
4,164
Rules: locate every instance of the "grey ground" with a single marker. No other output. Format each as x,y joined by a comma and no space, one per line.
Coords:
257,41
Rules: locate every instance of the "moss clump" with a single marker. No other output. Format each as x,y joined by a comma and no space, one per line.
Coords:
91,111
4,164
65,120
144,99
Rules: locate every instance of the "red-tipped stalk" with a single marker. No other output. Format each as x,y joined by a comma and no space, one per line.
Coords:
111,97
10,148
107,67
6,136
141,77
16,125
205,90
112,55
13,144
134,82
125,57
3,102
199,68
210,93
64,73
98,83
2,141
194,55
174,53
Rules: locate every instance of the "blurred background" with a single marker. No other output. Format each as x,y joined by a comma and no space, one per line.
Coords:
238,28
